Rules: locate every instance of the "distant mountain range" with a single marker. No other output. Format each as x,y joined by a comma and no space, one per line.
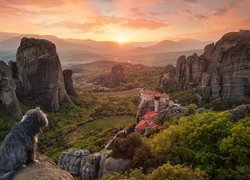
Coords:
77,51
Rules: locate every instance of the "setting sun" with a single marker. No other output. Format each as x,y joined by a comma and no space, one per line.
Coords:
121,39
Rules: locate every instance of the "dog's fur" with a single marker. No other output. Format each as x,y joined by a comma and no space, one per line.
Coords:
19,146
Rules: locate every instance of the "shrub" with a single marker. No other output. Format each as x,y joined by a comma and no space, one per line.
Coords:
184,97
236,152
135,174
192,107
176,172
209,141
133,148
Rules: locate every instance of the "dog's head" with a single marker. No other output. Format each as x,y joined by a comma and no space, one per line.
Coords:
36,117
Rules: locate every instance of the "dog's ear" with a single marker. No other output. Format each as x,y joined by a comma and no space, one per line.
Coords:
41,117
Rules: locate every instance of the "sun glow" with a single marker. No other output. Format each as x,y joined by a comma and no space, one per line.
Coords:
121,39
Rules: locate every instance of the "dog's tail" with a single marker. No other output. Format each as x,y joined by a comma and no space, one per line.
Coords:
7,176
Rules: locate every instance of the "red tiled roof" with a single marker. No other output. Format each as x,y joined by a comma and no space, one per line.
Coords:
150,116
143,124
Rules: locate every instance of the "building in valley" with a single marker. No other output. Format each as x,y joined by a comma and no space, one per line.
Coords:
151,103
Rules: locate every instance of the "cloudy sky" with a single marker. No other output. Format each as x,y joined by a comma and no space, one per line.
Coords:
126,20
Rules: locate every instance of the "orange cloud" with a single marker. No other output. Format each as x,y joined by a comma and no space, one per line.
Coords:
101,19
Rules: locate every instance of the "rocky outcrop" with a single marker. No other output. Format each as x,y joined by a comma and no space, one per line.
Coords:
241,112
116,77
81,163
110,165
172,110
90,169
44,169
68,82
222,72
8,93
73,161
169,76
40,72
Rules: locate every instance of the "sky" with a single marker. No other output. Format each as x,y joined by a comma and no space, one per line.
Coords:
126,20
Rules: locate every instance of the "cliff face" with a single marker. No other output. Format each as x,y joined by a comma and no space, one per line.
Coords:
169,75
116,77
222,71
40,72
68,81
8,93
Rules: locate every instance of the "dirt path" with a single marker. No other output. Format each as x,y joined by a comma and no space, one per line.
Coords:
134,91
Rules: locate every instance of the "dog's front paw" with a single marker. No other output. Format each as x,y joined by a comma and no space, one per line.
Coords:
35,161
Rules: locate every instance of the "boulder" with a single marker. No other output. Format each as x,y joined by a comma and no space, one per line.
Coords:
200,110
68,82
73,161
109,165
40,72
89,171
44,169
241,112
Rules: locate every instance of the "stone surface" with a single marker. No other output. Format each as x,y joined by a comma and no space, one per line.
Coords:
73,161
222,72
168,78
109,165
172,111
241,111
7,92
44,169
116,77
40,72
90,169
80,163
68,82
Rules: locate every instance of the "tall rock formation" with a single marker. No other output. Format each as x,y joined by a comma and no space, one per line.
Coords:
169,76
222,71
8,93
116,77
69,86
40,72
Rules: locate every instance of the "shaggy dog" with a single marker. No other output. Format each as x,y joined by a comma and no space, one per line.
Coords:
19,146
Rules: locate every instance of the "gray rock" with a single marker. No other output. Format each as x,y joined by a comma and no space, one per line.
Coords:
73,161
67,76
90,169
116,76
168,78
241,112
200,110
40,72
184,110
222,72
8,92
110,165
